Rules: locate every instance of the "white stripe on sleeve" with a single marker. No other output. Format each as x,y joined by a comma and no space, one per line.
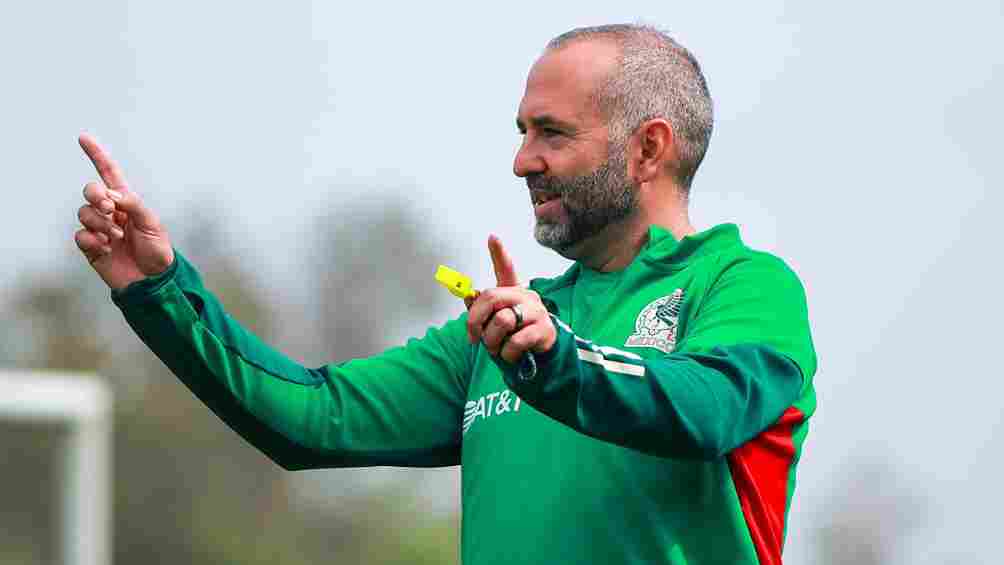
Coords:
614,366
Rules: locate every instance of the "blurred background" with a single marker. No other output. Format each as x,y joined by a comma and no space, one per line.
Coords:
318,161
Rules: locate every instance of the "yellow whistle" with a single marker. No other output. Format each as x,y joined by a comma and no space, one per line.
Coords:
459,285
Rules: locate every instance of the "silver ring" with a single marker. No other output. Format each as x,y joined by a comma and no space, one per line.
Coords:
518,312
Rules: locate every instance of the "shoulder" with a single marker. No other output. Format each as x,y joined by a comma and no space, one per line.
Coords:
755,267
760,297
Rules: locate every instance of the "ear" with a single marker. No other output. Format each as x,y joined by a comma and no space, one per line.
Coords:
652,150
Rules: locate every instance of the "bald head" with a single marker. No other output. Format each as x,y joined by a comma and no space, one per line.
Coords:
651,76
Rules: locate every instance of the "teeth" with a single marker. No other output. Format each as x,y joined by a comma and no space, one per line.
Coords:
542,198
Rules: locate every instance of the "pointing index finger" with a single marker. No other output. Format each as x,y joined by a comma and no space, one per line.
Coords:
106,166
505,272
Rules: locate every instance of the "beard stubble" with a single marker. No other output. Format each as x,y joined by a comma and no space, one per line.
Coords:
592,201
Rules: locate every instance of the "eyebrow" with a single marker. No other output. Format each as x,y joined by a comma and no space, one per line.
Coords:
543,121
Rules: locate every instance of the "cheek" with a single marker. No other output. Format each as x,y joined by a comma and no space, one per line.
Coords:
573,166
573,159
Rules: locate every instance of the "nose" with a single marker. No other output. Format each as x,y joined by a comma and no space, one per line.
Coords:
527,162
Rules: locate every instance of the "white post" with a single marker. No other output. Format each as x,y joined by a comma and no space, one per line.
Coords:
83,406
86,493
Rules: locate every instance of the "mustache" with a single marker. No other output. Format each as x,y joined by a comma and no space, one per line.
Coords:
552,185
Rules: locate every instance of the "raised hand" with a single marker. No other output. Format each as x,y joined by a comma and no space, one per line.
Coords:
493,319
121,238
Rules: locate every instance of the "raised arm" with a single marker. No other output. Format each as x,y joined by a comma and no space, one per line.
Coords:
403,407
745,359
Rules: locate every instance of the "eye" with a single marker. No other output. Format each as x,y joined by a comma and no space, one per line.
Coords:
550,132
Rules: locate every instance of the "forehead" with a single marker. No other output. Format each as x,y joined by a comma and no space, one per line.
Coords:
562,81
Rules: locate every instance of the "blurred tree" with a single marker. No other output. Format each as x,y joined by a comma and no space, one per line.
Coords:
373,268
50,313
28,531
58,311
869,514
187,489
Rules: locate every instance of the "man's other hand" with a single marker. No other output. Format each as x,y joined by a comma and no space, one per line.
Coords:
491,317
121,238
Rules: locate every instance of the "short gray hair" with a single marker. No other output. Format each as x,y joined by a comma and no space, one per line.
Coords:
656,78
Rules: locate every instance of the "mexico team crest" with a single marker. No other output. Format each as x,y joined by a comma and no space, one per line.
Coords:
657,323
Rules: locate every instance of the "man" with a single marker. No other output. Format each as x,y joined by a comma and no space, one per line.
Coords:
646,406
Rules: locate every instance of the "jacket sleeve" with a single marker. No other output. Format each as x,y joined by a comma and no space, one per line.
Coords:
403,407
746,357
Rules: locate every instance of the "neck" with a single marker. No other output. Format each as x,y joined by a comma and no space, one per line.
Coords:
614,248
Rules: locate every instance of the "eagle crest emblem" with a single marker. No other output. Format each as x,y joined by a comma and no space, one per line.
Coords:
656,324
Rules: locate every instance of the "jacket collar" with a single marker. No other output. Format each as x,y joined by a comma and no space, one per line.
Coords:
662,250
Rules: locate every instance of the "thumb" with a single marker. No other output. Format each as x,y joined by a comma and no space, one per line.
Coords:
505,272
130,203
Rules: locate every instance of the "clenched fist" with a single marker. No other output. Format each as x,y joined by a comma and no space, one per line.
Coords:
122,239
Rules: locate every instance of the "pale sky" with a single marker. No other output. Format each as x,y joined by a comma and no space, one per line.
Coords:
856,140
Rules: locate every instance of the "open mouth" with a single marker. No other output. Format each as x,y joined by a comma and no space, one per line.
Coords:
540,197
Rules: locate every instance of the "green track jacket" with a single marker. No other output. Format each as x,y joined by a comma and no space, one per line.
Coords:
664,426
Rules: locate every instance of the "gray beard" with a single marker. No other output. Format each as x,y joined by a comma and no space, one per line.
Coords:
592,202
